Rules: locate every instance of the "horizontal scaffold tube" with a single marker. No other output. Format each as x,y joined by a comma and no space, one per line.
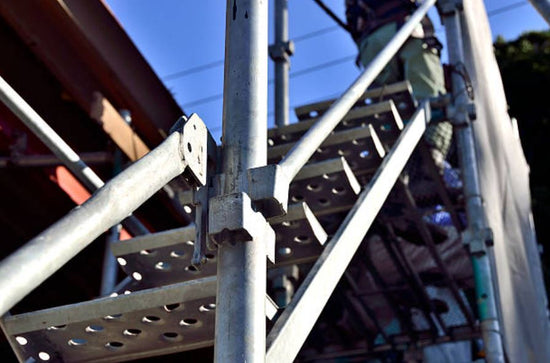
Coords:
33,263
310,142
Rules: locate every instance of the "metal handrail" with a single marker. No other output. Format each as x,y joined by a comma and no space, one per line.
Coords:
292,327
39,258
300,153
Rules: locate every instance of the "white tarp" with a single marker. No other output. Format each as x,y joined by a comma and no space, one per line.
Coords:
504,179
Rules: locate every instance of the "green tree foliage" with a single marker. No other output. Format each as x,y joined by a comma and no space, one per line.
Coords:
525,67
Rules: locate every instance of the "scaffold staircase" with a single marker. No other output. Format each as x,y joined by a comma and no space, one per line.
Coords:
363,256
168,305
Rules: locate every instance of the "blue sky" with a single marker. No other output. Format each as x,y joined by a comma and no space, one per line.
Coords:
183,40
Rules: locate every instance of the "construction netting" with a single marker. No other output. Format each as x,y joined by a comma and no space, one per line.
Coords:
504,179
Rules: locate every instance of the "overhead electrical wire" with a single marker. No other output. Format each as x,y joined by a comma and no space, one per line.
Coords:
299,73
311,69
218,63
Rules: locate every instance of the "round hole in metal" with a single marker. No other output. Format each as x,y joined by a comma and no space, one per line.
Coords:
21,340
77,342
114,345
137,276
132,332
57,327
301,239
330,177
44,356
171,336
364,154
171,307
313,187
147,253
284,251
207,307
150,319
192,269
94,329
177,254
188,322
338,190
163,266
121,261
112,317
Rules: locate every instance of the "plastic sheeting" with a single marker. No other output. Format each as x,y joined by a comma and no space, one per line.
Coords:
504,179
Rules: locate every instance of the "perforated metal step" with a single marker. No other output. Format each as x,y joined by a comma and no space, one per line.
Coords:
400,93
165,258
141,324
327,187
146,323
383,116
360,146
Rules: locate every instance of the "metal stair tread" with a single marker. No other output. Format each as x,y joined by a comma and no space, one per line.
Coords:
399,92
360,146
145,323
383,116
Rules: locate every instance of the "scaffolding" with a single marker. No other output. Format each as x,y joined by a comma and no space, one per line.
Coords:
287,221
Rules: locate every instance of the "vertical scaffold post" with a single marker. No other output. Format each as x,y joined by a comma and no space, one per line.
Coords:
280,52
240,311
477,234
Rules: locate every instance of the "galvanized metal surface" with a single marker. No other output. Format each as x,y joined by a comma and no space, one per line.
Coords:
147,323
293,326
240,319
360,146
280,52
327,187
485,291
399,92
383,116
163,258
315,136
29,266
299,235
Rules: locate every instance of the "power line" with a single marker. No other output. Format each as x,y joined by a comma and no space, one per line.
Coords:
506,8
219,63
336,61
193,70
299,73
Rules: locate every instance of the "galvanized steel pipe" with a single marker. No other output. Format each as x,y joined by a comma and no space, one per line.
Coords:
33,263
58,146
483,275
293,326
240,311
282,64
